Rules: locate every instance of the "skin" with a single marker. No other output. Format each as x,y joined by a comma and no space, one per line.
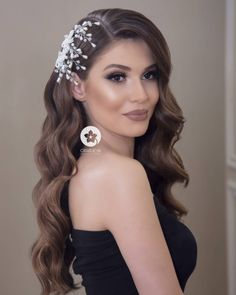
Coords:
107,99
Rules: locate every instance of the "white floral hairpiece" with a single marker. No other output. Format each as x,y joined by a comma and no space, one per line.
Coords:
69,51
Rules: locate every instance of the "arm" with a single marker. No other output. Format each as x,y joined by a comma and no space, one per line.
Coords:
130,214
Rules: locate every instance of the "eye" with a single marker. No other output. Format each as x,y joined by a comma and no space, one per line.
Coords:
154,74
115,77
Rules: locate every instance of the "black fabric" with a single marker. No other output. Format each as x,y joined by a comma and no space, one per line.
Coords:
102,267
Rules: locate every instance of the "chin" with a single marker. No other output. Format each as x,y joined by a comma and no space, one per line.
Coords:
138,132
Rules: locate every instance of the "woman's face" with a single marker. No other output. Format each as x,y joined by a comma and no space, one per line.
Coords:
111,91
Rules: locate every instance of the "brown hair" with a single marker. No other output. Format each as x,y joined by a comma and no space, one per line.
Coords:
58,149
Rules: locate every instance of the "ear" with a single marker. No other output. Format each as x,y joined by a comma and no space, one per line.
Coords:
78,91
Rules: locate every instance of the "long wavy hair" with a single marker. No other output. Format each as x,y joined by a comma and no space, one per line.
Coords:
58,149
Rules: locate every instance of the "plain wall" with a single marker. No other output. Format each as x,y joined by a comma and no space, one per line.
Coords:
31,34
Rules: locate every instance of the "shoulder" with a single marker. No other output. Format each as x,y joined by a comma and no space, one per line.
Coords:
116,173
127,189
119,164
97,170
126,175
96,185
101,179
129,213
99,175
123,166
120,192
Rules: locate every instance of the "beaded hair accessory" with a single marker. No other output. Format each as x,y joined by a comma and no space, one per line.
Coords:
69,52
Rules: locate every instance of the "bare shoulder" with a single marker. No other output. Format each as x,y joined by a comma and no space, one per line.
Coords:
123,165
127,189
94,183
118,196
128,177
97,170
130,215
123,175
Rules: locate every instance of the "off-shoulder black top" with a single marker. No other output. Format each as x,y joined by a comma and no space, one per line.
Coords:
103,269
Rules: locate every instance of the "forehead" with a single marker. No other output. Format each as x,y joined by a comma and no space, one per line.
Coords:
130,52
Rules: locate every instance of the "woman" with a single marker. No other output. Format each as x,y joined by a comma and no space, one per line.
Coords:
104,201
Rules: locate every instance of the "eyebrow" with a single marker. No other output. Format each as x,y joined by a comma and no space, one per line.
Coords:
123,67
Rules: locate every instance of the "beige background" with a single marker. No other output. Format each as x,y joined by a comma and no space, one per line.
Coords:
31,32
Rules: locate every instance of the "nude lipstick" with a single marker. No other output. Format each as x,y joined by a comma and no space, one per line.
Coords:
137,115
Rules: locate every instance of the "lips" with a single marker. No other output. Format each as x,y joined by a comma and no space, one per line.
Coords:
137,112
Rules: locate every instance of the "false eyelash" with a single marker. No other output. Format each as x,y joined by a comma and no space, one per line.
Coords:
155,73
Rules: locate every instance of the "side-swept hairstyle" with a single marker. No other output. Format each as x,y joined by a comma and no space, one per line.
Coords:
58,149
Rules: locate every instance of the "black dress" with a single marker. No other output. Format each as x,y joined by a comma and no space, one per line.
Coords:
103,269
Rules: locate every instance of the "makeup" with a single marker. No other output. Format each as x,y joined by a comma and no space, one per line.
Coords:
138,116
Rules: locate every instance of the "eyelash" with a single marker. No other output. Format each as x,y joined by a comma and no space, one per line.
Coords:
155,73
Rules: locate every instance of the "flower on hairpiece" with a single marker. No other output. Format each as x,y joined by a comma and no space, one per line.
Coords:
68,53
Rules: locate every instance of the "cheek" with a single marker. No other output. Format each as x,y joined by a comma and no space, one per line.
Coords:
154,94
106,101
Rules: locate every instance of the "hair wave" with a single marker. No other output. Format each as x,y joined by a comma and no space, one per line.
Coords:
58,149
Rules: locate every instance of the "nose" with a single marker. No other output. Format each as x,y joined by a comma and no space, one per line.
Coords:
138,91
